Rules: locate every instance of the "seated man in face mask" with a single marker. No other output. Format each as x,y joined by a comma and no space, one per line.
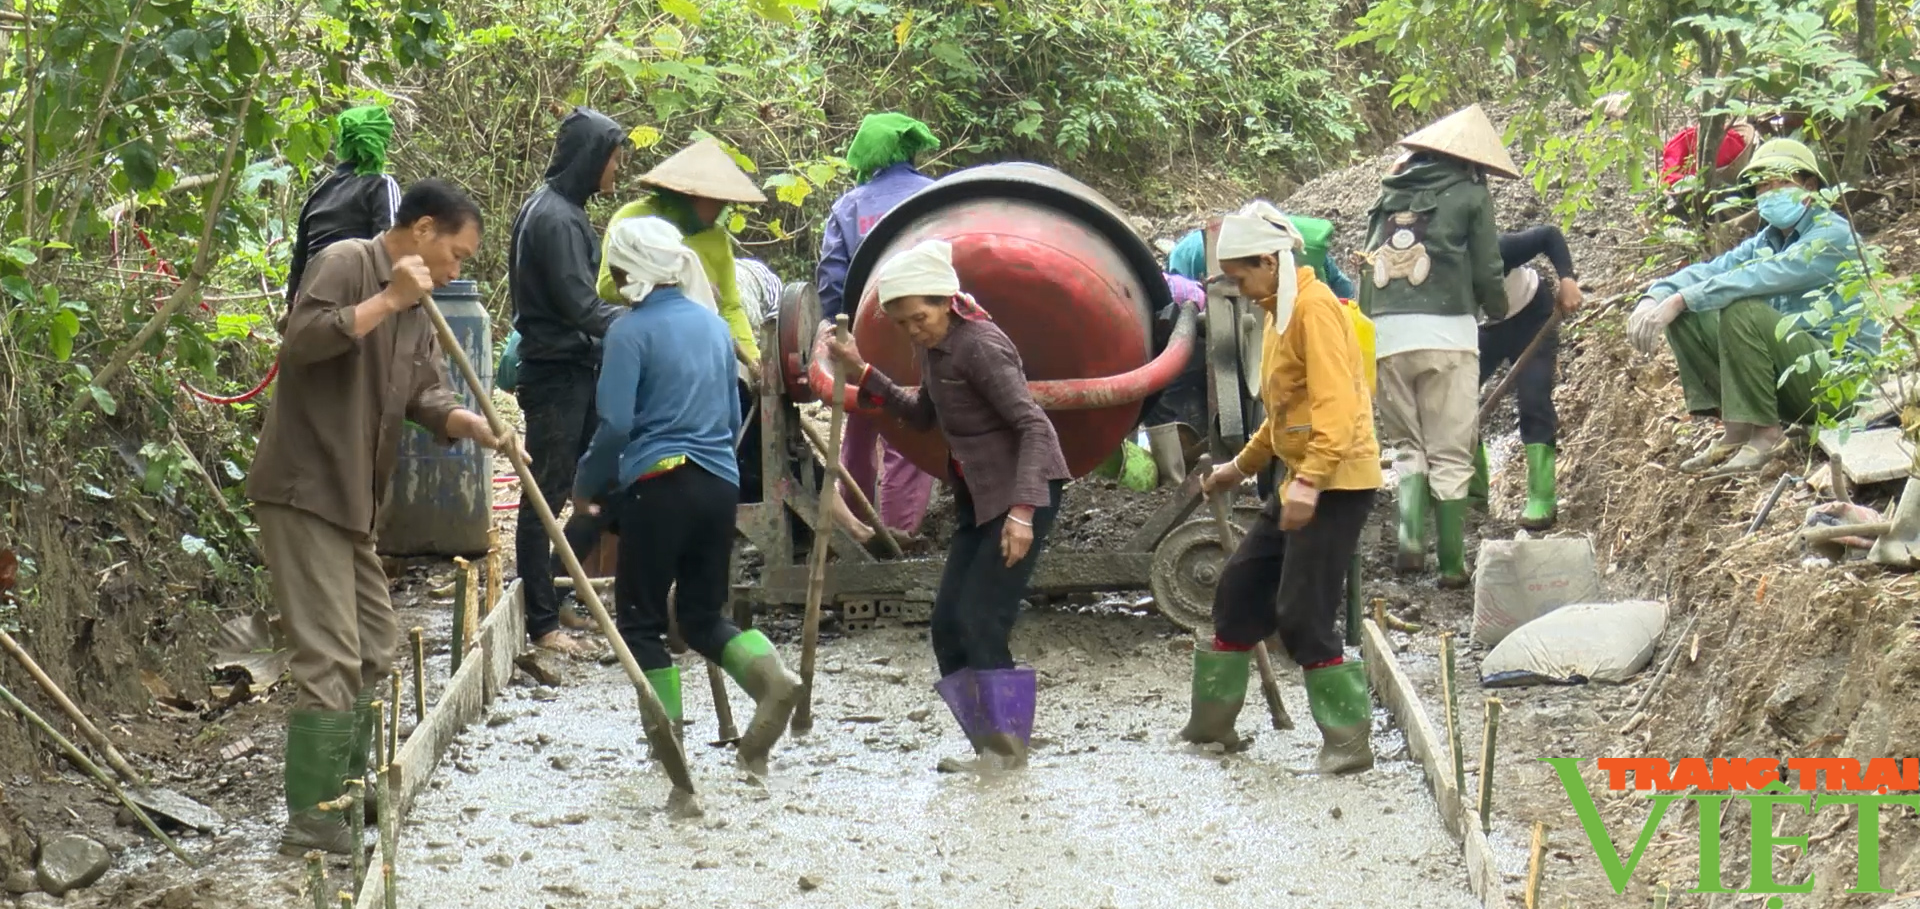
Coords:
1723,318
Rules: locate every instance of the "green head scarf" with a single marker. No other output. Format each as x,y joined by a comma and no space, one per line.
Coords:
362,138
885,140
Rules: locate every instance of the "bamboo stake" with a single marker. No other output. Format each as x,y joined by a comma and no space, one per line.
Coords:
389,833
81,760
1638,714
317,877
419,675
659,728
92,733
495,582
1486,764
379,732
393,720
1536,856
460,581
356,830
1269,686
822,532
1450,696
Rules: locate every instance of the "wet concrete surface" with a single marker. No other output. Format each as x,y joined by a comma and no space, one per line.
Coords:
551,802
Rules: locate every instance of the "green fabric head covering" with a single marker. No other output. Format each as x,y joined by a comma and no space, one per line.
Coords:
885,140
362,138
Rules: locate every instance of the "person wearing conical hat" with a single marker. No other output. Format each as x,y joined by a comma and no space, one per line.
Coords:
1288,575
355,202
1433,264
882,158
691,190
1741,324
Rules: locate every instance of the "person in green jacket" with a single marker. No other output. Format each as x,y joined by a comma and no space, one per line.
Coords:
691,190
1433,258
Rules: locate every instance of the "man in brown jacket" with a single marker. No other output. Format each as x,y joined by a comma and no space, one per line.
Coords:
357,359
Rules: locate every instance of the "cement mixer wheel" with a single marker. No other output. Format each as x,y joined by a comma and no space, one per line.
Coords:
798,320
1186,568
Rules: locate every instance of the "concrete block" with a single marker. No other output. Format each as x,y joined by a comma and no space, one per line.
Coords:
1874,456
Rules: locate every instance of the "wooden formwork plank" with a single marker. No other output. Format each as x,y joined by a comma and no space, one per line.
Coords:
461,703
1403,702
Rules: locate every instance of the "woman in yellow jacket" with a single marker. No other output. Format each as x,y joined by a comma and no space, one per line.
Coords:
1289,573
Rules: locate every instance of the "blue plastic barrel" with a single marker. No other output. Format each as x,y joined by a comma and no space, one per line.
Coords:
442,499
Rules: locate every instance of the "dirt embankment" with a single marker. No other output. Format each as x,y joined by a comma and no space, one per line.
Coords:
1786,658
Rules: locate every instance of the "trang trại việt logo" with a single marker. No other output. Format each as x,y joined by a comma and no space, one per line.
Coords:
1710,783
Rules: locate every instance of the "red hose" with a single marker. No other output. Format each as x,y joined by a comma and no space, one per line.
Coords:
166,269
1056,394
241,398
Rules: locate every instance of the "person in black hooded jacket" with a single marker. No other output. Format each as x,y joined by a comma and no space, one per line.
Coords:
553,257
357,201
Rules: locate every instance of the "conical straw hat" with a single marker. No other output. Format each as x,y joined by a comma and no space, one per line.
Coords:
705,169
1469,135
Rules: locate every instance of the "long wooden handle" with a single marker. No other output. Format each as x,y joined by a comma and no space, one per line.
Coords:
91,732
1269,686
1500,390
867,509
653,714
721,705
817,561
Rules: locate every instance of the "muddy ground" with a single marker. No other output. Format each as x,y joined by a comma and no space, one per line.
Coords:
561,808
230,760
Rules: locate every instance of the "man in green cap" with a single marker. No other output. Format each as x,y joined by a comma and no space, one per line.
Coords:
882,157
1724,318
355,202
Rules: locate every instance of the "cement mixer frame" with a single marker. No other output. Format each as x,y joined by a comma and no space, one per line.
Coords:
1170,553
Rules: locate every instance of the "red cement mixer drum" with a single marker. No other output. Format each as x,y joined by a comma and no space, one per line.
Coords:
1061,272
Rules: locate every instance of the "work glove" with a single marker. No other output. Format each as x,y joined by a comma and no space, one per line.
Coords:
1650,320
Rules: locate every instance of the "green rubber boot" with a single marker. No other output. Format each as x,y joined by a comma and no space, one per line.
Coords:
1219,691
1344,712
363,746
751,661
666,686
1451,546
1412,498
1542,504
319,745
1480,488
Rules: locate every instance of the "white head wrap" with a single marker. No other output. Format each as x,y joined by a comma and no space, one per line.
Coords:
926,270
1260,229
650,252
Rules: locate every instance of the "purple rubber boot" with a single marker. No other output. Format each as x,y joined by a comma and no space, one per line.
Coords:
961,691
1006,703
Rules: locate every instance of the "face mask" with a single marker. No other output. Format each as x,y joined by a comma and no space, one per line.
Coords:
1783,207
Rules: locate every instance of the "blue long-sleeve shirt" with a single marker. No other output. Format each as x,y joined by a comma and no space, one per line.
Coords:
854,214
1189,260
666,390
1781,268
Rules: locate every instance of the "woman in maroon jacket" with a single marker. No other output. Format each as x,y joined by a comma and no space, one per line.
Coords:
1006,470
